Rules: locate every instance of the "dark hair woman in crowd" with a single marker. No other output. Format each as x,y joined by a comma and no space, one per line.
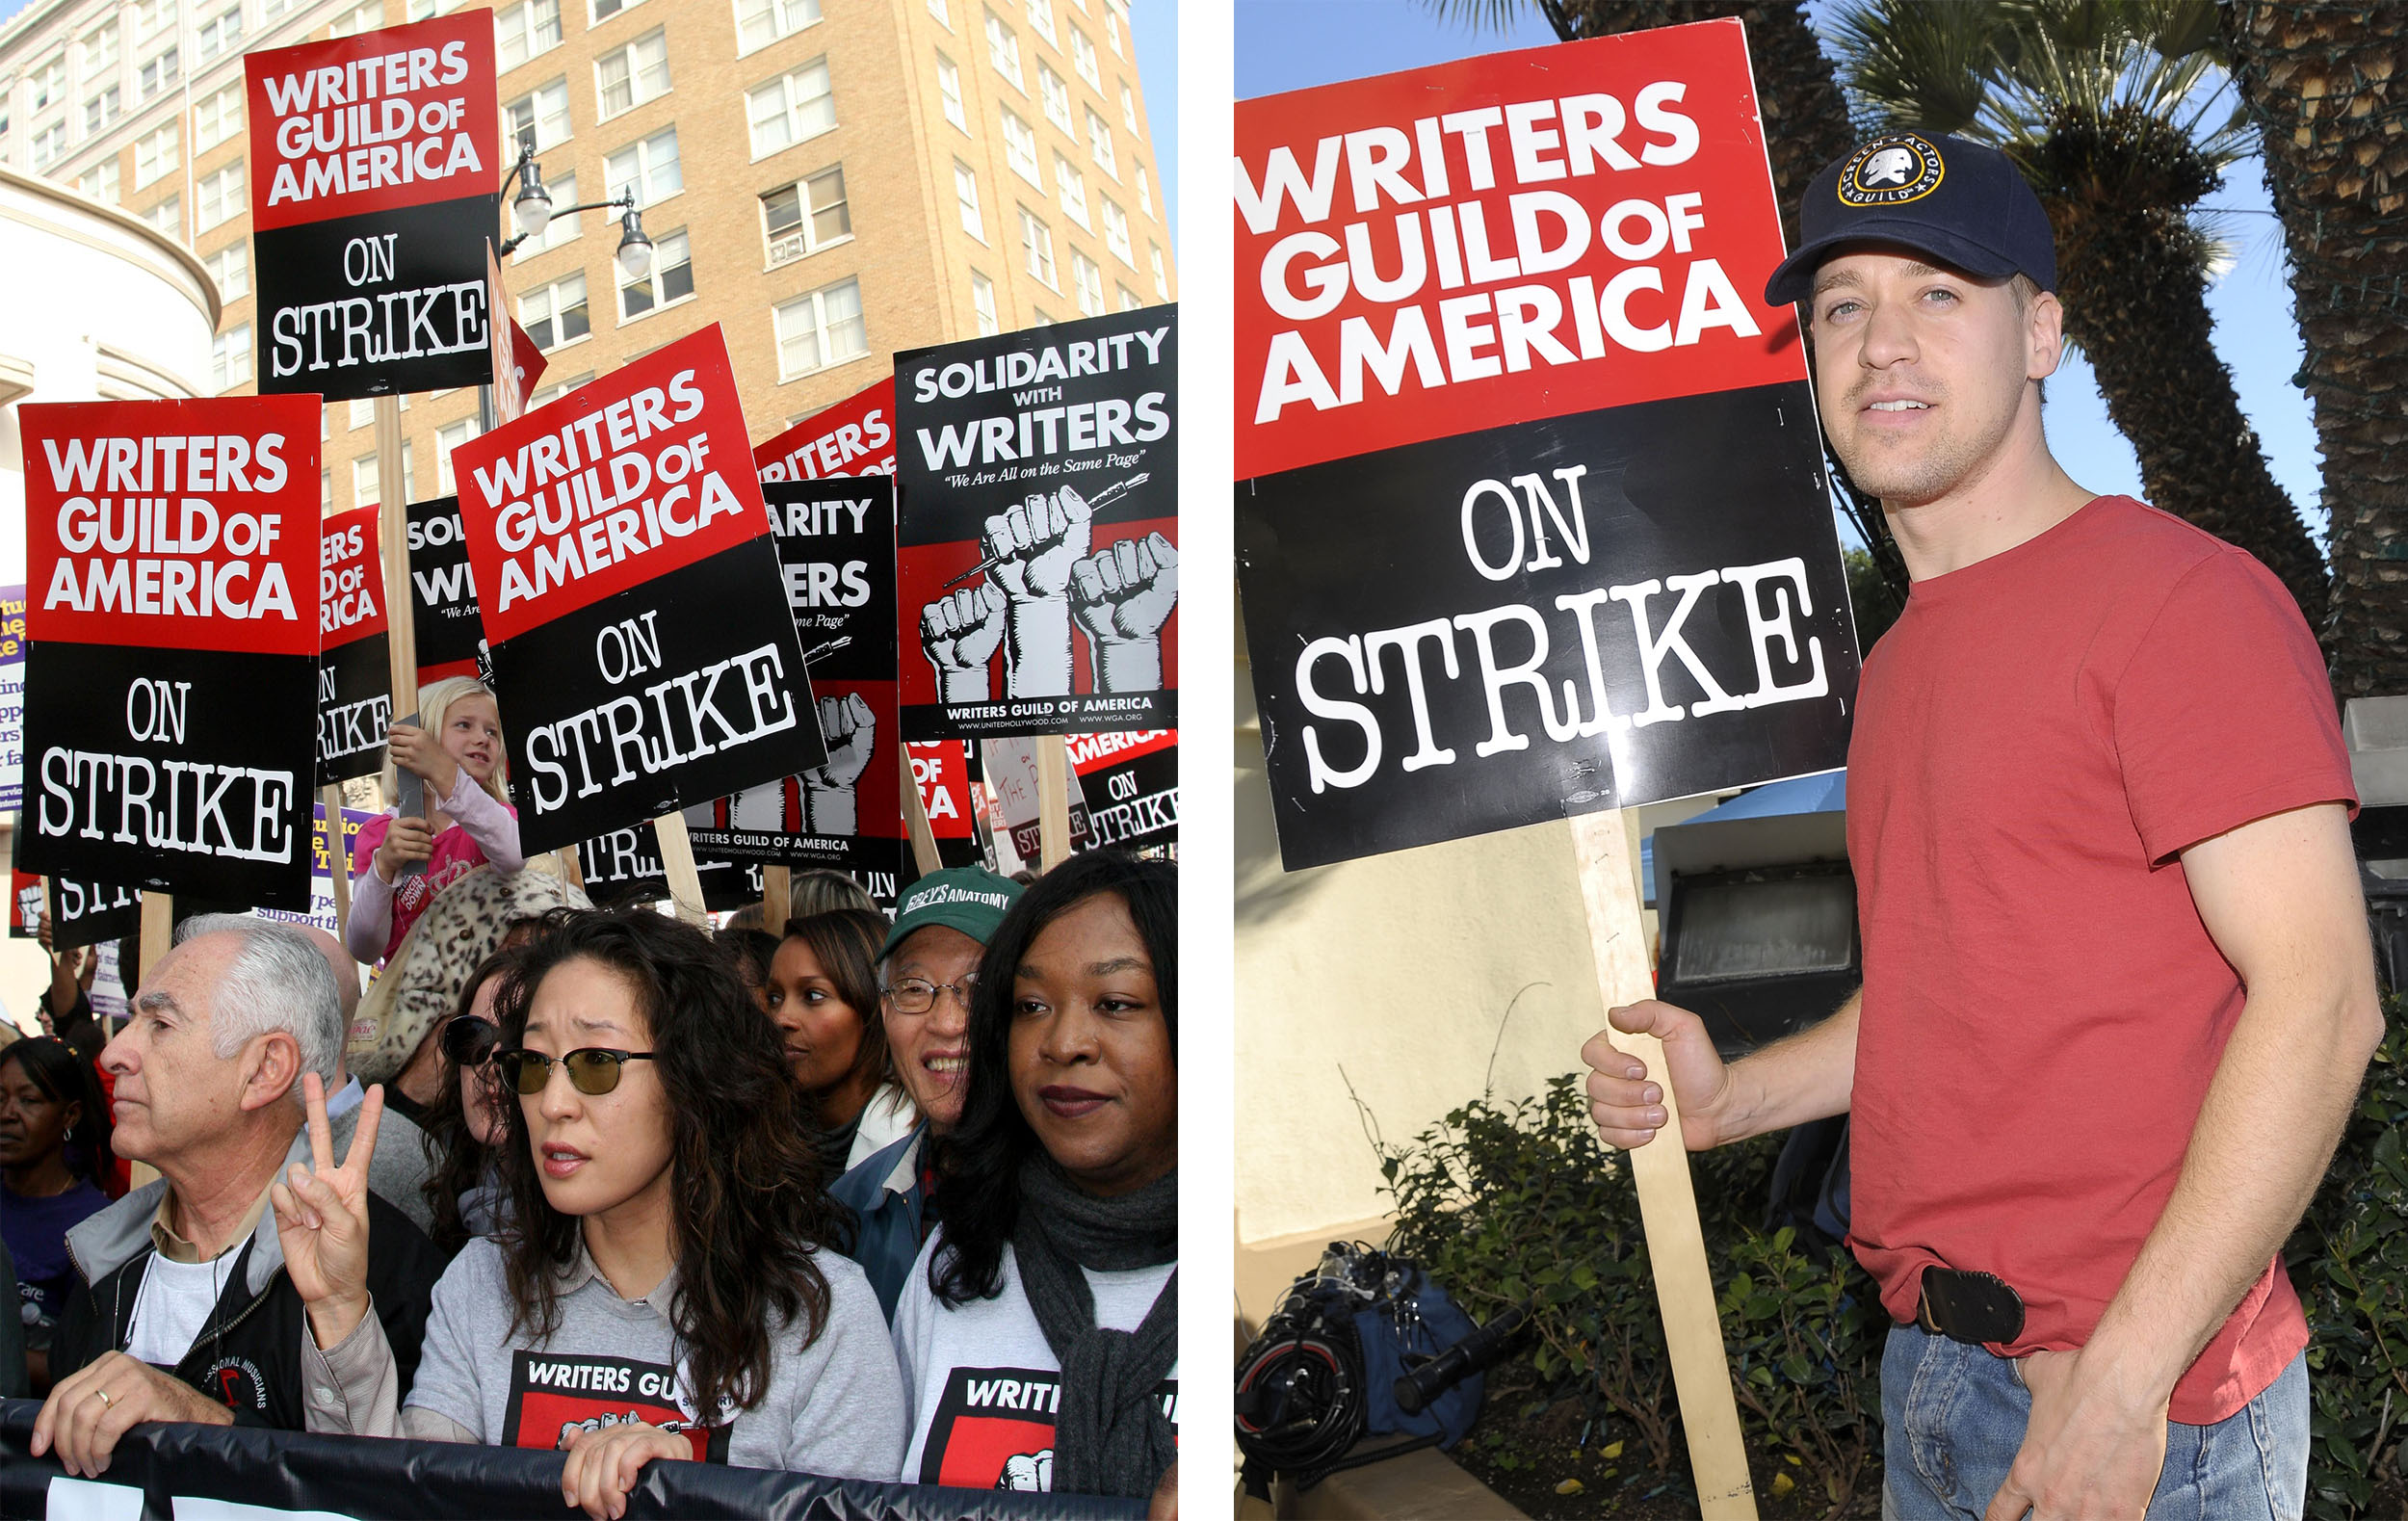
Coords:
669,1222
822,992
1060,1192
465,1123
54,1141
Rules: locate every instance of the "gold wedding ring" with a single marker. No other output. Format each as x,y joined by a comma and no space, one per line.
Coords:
104,1397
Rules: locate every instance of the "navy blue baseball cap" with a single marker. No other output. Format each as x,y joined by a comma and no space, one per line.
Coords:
1964,205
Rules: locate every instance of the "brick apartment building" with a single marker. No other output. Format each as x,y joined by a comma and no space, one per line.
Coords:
830,180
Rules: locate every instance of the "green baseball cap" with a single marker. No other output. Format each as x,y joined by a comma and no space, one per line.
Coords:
970,899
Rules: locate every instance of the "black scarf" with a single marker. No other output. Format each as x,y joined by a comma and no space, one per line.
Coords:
1109,1435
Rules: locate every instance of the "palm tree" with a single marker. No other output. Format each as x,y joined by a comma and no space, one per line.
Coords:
2325,83
2121,123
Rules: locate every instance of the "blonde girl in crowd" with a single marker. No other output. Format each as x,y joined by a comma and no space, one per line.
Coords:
456,748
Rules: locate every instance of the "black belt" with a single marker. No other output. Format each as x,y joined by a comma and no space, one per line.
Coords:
1969,1306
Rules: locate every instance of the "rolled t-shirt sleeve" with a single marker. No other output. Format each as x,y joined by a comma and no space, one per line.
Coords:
2224,713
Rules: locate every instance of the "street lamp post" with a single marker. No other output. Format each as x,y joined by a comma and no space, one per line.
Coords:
533,211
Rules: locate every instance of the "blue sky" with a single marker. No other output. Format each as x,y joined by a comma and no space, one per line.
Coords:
1290,44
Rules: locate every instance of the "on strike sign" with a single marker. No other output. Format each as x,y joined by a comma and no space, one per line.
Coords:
1538,523
855,436
170,693
373,165
354,690
630,597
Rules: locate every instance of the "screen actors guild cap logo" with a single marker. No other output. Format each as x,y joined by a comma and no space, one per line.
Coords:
1889,172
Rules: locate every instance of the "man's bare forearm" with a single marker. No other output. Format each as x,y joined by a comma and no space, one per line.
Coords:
1809,1075
2273,1113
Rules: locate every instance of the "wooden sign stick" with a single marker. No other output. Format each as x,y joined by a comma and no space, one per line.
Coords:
158,930
1052,799
685,883
400,610
1667,1204
777,898
924,854
338,863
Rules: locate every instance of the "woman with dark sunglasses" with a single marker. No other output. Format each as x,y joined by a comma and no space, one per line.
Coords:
465,1123
1057,1258
668,1289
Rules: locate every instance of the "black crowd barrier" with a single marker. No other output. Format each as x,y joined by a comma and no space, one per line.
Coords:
370,1479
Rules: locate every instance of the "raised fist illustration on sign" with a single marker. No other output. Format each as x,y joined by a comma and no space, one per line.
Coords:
1122,595
960,632
829,792
1034,546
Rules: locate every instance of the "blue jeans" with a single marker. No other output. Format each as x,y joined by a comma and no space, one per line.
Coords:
1953,1418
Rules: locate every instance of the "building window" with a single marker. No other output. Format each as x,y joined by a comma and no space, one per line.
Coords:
1083,59
1037,242
447,438
604,9
1145,194
1130,300
1099,141
101,111
649,167
229,358
562,227
222,33
100,49
1129,109
1161,273
632,75
1117,233
364,410
325,473
50,82
160,72
982,302
153,20
426,10
966,192
761,22
557,389
364,481
1055,93
943,14
556,314
538,120
1020,149
230,268
1040,15
1073,188
524,31
1090,277
949,85
805,217
219,196
101,181
49,145
670,279
158,153
366,17
820,329
1111,32
166,217
791,108
1039,317
1003,50
217,118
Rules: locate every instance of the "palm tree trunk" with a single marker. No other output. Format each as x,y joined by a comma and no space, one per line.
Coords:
2323,82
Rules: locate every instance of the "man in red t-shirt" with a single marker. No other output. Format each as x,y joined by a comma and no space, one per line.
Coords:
2118,991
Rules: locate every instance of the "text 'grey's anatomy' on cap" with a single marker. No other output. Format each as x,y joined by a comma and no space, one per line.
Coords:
1964,205
969,899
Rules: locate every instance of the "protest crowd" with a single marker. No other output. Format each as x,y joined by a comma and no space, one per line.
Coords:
610,1182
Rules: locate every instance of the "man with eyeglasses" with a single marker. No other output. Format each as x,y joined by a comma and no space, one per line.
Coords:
926,972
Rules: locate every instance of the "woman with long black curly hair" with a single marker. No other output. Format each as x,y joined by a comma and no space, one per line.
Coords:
1058,1257
667,1288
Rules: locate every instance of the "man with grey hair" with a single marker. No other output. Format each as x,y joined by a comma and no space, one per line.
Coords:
182,1310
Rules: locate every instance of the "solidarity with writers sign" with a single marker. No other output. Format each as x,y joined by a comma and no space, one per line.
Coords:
443,593
374,160
1536,524
1039,495
170,687
836,556
632,600
855,436
354,676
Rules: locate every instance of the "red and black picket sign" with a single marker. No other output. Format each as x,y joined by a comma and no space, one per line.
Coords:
855,436
632,601
942,770
1536,522
85,913
1131,787
354,673
1038,522
836,559
373,167
443,593
173,623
